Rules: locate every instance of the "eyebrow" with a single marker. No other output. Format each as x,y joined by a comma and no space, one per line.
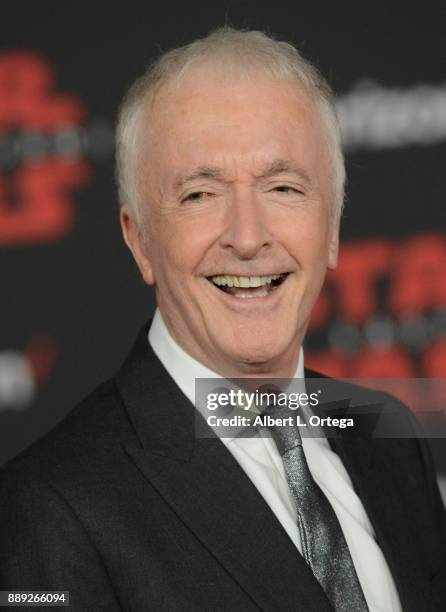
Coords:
202,172
214,173
282,165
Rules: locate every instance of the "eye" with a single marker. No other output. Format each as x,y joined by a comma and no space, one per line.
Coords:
197,196
287,189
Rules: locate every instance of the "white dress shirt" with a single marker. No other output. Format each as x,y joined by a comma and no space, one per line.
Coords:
261,461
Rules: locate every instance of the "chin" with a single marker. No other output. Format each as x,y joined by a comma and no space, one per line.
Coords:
261,354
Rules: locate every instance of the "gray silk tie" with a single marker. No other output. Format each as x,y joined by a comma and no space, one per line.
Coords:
323,544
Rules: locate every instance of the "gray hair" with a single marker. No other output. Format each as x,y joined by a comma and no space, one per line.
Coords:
230,48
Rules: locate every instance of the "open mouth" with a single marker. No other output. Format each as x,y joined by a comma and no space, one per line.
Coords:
248,286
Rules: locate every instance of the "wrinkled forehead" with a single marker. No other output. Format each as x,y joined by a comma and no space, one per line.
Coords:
209,113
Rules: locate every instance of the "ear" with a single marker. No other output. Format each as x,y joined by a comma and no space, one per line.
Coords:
333,246
134,239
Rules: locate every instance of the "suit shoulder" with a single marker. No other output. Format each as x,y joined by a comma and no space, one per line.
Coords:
358,393
91,429
376,413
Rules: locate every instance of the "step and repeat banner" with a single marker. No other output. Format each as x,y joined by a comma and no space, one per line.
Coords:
71,298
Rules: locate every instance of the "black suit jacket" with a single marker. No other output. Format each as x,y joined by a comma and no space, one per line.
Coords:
124,507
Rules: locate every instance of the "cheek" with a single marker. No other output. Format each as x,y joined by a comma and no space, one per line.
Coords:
179,246
306,239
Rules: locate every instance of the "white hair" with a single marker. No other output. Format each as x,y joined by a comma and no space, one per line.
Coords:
233,49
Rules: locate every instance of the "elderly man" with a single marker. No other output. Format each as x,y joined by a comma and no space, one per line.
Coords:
231,181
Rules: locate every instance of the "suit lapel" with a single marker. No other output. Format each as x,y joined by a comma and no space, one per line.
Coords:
375,482
208,490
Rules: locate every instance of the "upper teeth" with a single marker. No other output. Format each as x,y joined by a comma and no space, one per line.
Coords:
244,281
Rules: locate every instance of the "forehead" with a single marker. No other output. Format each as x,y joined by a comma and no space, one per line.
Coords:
211,116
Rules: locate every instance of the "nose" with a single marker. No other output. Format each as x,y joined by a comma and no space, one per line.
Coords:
246,229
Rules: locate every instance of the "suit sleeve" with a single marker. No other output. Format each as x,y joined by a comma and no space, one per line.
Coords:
43,546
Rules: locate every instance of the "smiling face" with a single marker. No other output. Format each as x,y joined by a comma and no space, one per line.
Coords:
236,193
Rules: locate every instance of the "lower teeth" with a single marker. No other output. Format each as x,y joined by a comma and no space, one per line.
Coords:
244,294
253,292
